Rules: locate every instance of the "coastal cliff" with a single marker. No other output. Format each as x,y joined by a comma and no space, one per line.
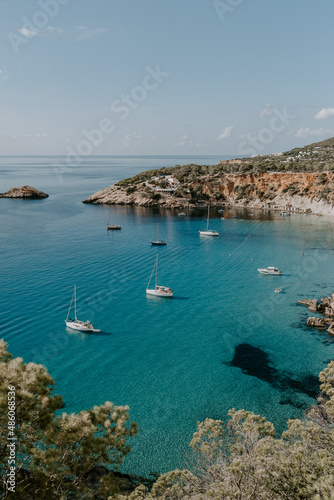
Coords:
301,180
311,192
26,192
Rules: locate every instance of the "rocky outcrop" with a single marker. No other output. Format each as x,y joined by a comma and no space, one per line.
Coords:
26,192
325,307
317,322
139,195
312,304
330,330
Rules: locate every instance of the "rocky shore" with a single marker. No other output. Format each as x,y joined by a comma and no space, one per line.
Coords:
326,308
26,192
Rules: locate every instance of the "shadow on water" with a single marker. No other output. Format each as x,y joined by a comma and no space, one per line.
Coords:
256,363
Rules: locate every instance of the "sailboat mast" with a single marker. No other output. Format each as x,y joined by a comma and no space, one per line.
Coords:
207,224
75,302
156,272
158,232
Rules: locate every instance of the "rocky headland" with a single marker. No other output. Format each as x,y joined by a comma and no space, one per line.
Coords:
326,308
298,192
26,192
300,180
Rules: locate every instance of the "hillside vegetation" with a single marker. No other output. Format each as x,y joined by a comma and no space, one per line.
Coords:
316,157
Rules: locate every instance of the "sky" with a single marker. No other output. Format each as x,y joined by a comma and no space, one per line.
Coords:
165,77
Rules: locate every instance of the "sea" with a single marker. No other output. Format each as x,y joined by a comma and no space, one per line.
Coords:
226,339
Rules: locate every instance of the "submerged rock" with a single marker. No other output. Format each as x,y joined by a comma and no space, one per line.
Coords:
24,192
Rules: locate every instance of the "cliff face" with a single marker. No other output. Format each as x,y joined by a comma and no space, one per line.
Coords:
308,191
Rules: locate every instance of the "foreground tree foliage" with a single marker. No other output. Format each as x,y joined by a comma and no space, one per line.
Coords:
243,459
56,454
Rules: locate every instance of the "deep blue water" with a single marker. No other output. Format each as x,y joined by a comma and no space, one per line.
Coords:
225,340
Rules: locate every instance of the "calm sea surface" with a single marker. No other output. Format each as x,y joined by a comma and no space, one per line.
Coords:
225,340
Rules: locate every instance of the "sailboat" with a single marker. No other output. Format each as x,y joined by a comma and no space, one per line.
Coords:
75,324
112,226
158,242
208,232
158,291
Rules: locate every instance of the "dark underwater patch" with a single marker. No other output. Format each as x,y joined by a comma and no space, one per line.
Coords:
256,363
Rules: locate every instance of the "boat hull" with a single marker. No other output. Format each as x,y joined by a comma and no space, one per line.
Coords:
114,228
160,293
81,327
271,273
158,243
209,233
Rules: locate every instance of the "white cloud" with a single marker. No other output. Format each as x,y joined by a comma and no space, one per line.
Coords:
53,29
249,135
87,33
35,135
27,33
226,133
267,111
183,141
324,113
132,140
3,76
308,132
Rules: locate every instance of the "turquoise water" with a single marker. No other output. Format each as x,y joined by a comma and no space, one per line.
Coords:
225,340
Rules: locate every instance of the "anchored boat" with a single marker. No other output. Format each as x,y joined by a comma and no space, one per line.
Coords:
112,227
270,270
158,242
208,232
75,324
158,290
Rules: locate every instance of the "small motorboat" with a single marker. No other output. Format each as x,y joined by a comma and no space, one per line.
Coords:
278,290
273,271
181,214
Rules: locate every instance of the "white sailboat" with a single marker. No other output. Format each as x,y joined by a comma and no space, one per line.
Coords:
158,241
208,232
75,324
158,290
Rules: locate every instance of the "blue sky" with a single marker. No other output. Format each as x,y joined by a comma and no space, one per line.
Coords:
172,77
